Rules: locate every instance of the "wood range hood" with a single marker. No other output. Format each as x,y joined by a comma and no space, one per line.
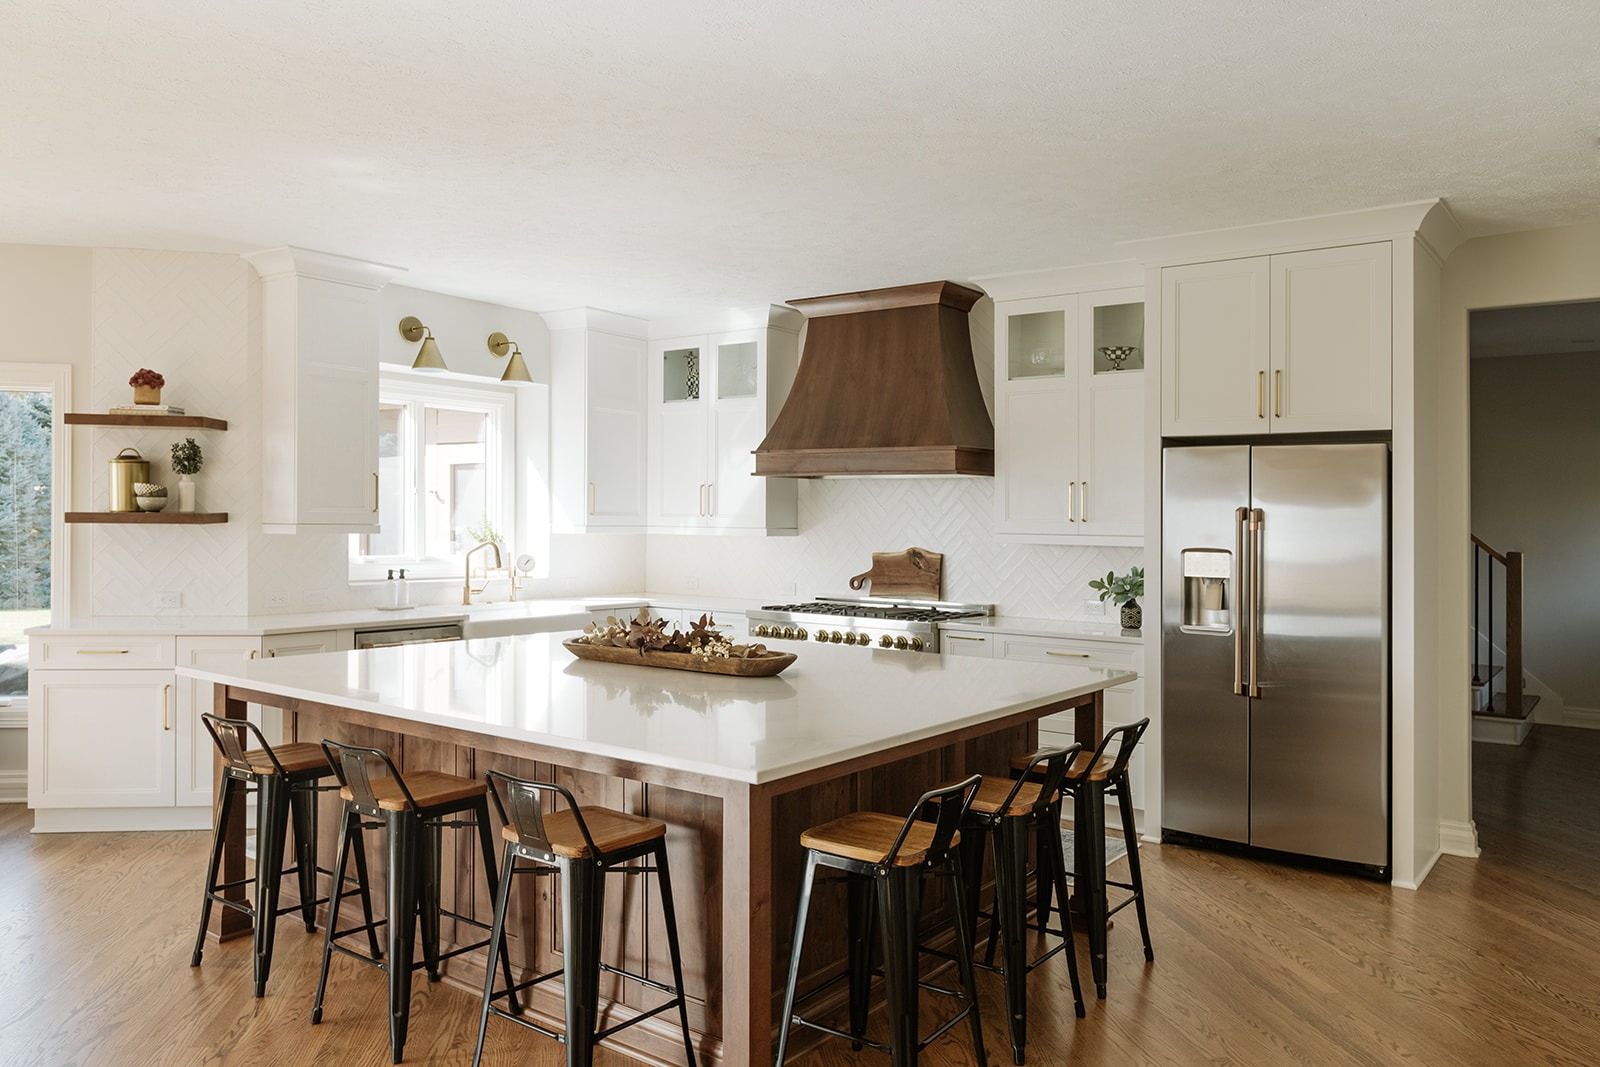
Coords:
886,385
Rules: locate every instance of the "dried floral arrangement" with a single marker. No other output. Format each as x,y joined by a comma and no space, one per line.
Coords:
645,634
146,378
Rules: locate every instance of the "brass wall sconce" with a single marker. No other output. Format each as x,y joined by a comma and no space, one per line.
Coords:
428,357
516,370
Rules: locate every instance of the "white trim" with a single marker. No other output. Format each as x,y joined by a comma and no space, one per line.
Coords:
1423,870
13,787
83,820
1459,838
1587,718
326,266
55,379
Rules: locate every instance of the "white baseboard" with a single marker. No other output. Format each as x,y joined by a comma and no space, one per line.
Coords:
1458,838
1588,718
13,787
86,820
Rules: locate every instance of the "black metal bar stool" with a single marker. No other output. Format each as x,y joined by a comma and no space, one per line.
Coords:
1006,813
1090,780
413,814
286,780
887,857
582,845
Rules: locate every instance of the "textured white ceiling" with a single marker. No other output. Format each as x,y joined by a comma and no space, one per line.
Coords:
663,158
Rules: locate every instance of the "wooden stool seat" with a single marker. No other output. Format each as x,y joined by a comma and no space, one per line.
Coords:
1097,769
992,794
610,830
296,758
869,835
429,788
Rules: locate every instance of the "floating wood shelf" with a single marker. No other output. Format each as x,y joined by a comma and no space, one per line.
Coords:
199,422
150,518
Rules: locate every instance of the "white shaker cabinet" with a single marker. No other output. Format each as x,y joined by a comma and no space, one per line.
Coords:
1069,418
1292,343
196,756
597,420
319,391
712,399
102,723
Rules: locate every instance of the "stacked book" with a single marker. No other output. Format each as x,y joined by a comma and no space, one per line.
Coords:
145,409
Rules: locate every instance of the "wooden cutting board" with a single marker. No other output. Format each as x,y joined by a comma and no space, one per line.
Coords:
913,572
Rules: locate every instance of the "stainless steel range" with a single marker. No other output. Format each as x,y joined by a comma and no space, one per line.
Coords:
867,622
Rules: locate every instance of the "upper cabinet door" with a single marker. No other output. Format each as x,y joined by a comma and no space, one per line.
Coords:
615,431
1036,405
1215,348
1332,339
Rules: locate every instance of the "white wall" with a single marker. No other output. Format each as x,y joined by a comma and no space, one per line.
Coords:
1508,270
1534,490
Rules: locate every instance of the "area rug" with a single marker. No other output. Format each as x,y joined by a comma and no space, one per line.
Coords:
1115,848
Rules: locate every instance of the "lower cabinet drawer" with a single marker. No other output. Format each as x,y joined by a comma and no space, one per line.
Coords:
86,652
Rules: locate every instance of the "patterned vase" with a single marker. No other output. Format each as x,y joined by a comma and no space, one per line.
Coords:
1132,615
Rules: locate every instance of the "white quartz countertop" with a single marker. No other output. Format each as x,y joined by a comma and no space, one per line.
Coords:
831,705
1076,628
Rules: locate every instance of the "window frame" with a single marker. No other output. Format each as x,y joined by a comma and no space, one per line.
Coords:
414,391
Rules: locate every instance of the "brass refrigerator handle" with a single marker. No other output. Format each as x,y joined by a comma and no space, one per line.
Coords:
1277,394
1240,517
1261,394
1256,520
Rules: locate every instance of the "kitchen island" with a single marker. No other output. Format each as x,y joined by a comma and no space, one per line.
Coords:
736,767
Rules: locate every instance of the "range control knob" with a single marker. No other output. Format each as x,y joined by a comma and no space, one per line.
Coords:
822,635
916,644
850,638
760,630
886,641
836,637
789,632
801,634
901,642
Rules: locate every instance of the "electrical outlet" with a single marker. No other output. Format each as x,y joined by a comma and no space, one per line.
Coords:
277,600
1095,609
316,597
692,582
169,600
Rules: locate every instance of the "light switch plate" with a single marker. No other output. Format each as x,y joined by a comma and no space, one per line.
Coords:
1095,609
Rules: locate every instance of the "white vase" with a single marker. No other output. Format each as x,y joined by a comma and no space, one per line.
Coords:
185,493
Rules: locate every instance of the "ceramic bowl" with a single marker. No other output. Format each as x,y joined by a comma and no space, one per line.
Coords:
148,489
151,503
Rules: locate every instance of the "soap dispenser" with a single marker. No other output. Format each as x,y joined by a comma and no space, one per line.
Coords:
402,592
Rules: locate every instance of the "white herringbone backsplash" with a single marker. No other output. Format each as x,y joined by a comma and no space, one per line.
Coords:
844,520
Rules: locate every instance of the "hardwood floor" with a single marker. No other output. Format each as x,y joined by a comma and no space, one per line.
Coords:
1492,961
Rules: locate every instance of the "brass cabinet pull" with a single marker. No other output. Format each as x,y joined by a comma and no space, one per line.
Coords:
1277,394
103,651
272,653
963,637
1072,513
375,493
164,691
702,500
252,654
591,498
1083,502
711,499
1066,655
1261,394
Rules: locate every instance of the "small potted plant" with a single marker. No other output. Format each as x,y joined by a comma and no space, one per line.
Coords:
146,386
186,461
1124,591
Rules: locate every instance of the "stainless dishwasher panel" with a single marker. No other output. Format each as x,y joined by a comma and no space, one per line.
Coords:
411,635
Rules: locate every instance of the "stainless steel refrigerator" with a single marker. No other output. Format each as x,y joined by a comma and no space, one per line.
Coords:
1275,648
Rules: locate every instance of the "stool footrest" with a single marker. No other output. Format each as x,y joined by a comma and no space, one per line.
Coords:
798,1020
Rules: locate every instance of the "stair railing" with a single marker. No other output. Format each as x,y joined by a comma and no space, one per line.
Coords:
1484,561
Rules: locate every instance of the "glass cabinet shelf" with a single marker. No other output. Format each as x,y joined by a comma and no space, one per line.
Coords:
1036,345
1118,338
